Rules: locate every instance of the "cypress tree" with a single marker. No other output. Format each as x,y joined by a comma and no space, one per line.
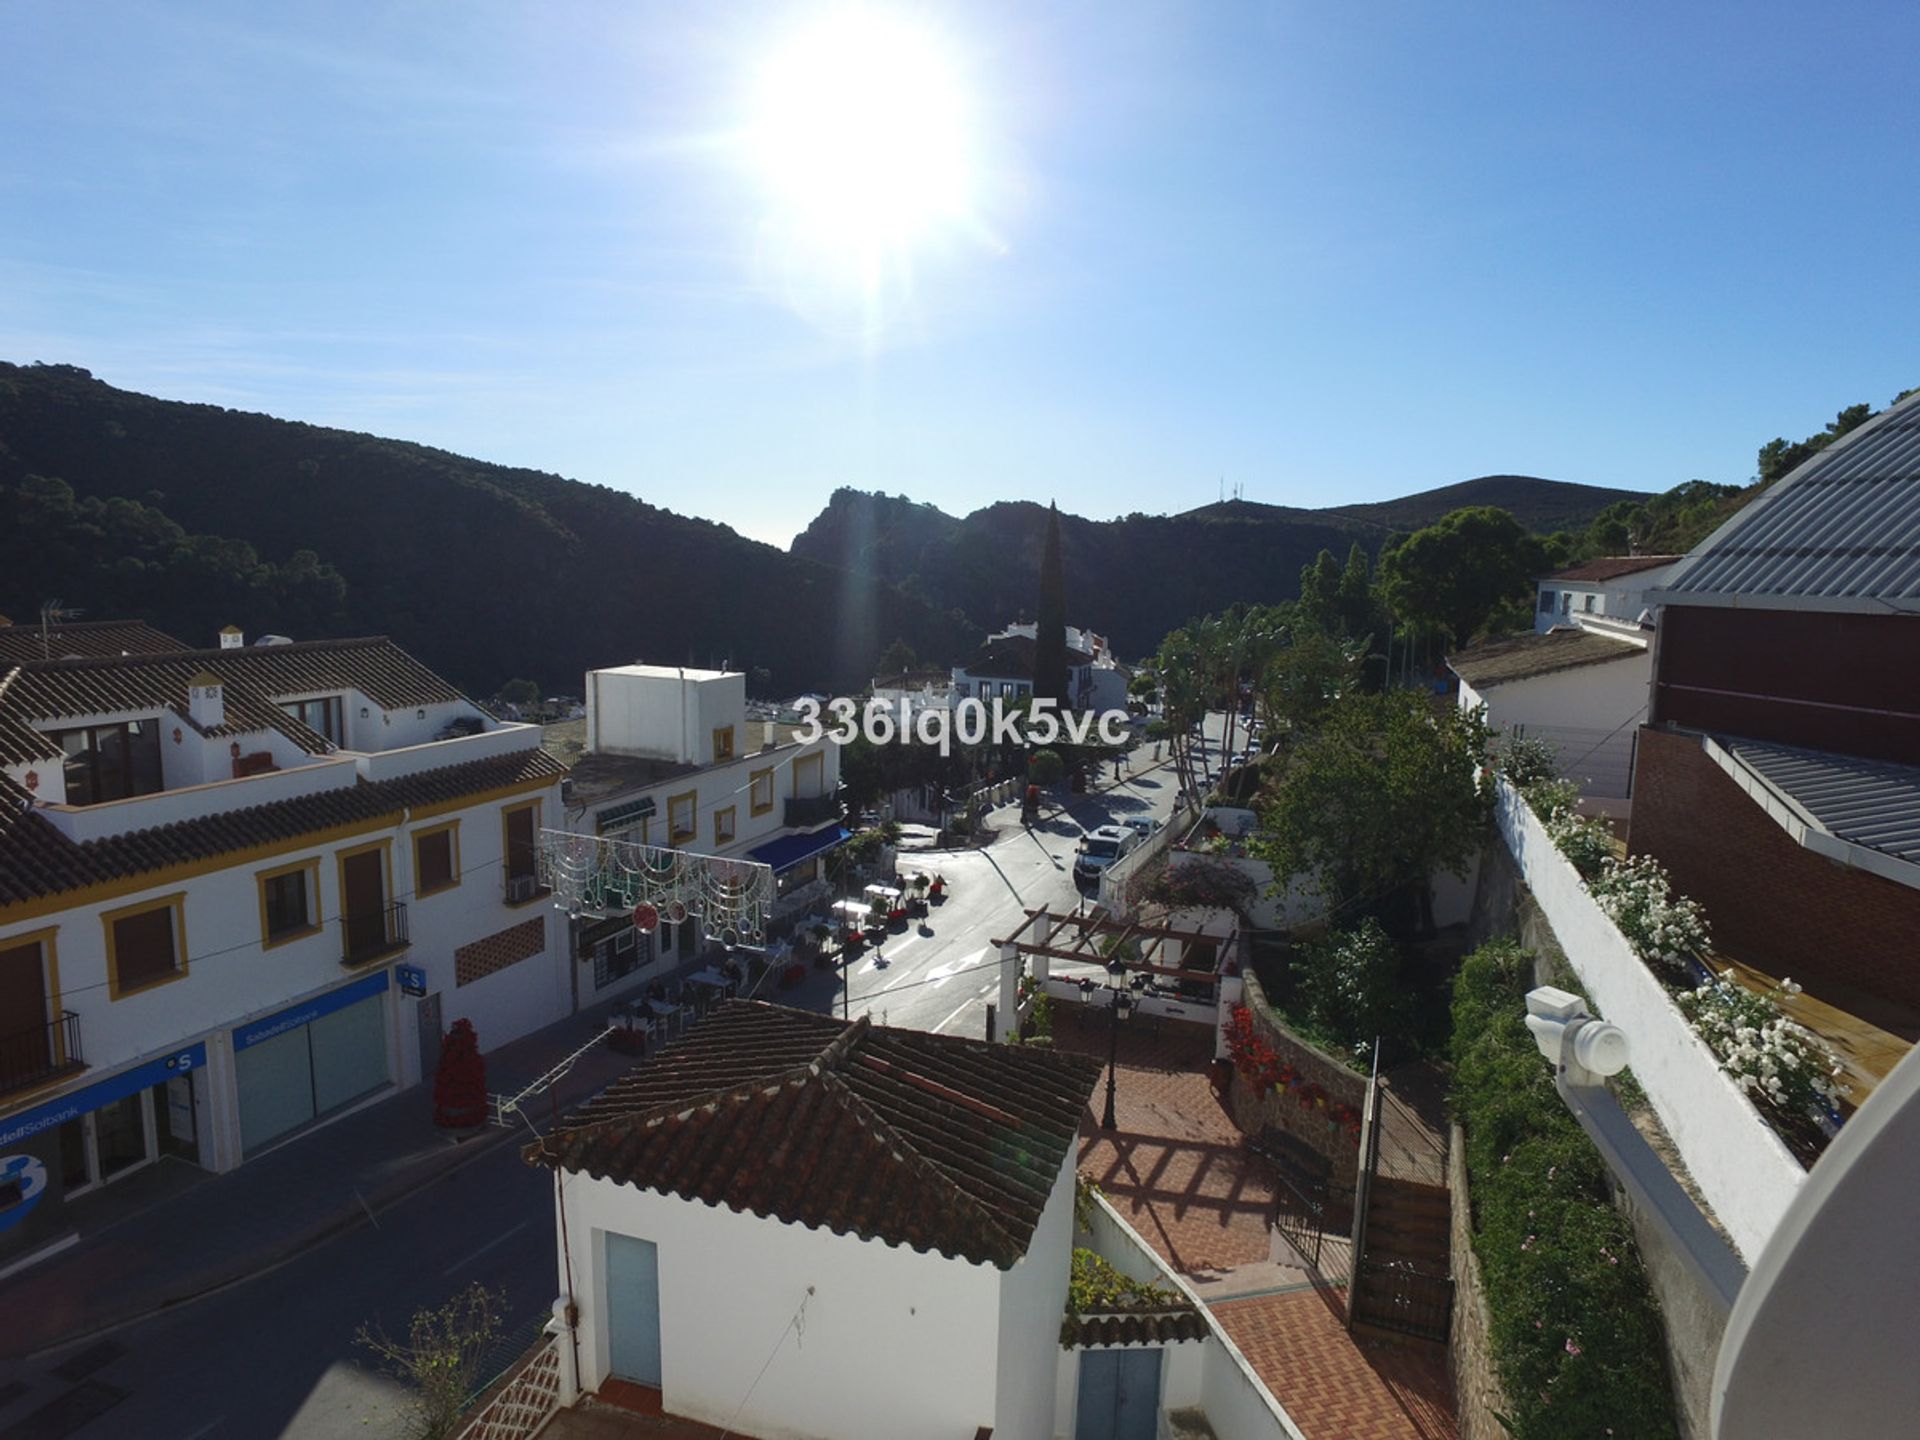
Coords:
1050,643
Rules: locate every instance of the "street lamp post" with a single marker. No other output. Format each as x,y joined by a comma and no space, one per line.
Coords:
1122,990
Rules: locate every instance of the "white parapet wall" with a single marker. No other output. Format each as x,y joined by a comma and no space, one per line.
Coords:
1742,1168
1237,1403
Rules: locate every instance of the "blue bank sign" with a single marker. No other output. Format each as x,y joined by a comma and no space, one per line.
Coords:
251,1034
74,1104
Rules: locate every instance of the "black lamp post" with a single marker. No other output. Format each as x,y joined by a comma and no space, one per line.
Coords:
1121,992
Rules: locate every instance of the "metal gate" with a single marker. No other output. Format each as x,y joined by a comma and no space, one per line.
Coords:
1300,1219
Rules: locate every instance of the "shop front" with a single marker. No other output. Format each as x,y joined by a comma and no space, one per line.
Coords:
61,1149
300,1065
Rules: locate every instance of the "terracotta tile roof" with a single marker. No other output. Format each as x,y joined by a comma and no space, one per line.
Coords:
1519,657
36,860
55,691
1612,567
933,1141
83,638
255,678
1160,1326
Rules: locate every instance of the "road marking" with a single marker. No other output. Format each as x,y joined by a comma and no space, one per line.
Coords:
957,1010
497,1240
208,1429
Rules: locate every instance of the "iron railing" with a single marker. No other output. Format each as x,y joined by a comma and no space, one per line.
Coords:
1400,1296
373,933
40,1052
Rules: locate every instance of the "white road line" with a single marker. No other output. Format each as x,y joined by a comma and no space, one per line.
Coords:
497,1240
957,1011
208,1429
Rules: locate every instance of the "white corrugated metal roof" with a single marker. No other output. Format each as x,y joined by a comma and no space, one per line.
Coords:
1874,804
1842,532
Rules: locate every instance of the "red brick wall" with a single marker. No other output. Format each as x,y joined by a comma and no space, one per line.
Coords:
1771,903
1827,681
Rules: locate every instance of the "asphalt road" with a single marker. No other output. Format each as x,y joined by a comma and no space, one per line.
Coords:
275,1355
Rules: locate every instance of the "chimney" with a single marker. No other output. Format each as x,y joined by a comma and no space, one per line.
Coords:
206,702
231,638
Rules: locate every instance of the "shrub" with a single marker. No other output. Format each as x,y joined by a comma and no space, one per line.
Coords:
440,1356
1351,987
1588,844
1194,884
1526,761
1664,928
1575,1332
1045,767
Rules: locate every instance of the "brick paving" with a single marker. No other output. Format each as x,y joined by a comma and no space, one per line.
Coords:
1337,1386
1175,1167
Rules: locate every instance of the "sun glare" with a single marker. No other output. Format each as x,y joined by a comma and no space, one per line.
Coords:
861,133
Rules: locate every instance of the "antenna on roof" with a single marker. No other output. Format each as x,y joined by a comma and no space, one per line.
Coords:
52,613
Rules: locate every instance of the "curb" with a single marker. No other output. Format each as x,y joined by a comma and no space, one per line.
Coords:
270,1258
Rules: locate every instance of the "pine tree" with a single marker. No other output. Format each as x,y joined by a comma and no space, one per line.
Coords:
460,1084
1050,643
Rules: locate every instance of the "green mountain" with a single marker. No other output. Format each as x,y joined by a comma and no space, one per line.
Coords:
1136,578
193,516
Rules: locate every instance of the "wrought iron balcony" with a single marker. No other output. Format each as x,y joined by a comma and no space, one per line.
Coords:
373,934
40,1053
811,810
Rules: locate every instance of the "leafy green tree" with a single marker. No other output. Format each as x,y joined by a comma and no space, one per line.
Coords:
1303,680
1046,767
1352,988
519,692
1050,642
1319,606
897,660
1452,576
1382,794
1778,458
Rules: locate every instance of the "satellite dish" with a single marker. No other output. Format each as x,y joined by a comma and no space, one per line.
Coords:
1821,1338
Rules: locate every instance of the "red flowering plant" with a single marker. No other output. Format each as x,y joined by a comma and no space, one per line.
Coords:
1312,1095
1257,1061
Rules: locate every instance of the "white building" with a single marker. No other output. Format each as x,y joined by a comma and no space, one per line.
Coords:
1613,589
799,1227
1580,690
245,889
1095,679
672,760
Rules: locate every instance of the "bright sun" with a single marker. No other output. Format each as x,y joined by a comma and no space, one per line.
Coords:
861,131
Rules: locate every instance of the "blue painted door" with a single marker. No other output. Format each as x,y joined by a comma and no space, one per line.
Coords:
1119,1395
633,1309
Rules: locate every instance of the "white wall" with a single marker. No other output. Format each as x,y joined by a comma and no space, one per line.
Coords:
1746,1173
895,1343
1033,1301
1591,713
664,713
1237,1402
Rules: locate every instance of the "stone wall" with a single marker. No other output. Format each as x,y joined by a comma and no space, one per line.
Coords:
1478,1394
1253,1113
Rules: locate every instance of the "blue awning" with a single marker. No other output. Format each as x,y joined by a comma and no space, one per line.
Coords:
791,850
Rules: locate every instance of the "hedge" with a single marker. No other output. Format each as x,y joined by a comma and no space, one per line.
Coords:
1575,1331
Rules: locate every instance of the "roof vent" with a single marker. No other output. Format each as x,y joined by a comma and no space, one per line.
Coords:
231,638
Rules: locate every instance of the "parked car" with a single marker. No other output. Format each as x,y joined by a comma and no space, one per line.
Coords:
1099,848
1141,825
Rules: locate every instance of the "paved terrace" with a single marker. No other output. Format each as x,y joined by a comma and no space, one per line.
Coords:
1175,1167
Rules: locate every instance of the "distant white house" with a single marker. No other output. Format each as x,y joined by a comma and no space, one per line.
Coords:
1613,589
672,760
1102,683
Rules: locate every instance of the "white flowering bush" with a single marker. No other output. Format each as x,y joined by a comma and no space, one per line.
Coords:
1587,843
1776,1061
1666,929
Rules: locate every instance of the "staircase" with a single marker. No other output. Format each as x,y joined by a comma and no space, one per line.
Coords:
1403,1282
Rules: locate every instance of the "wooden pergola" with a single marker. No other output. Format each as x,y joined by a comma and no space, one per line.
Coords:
1045,937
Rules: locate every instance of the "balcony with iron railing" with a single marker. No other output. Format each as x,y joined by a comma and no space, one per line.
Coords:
373,934
41,1053
805,810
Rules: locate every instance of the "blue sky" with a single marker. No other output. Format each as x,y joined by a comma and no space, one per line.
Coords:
1326,252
